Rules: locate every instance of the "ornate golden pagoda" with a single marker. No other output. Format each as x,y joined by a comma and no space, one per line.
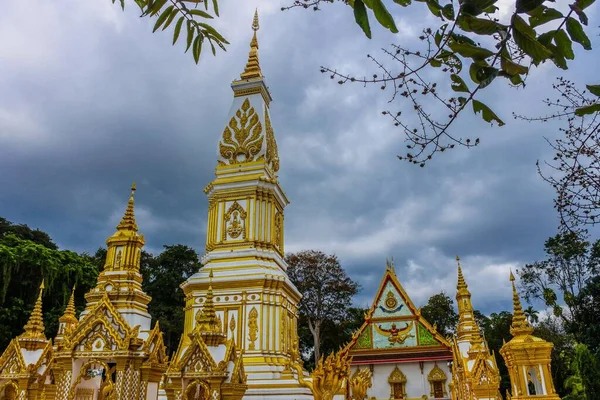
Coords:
475,374
111,351
24,363
251,291
527,358
206,364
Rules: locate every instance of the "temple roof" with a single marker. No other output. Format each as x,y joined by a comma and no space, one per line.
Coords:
395,330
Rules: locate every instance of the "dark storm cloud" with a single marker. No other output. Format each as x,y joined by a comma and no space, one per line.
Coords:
92,100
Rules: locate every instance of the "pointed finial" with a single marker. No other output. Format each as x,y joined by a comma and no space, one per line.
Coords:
255,25
68,316
34,329
520,324
128,221
389,263
461,279
252,69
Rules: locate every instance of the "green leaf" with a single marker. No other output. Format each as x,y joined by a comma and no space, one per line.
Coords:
190,35
162,18
487,114
476,7
216,7
517,80
524,36
582,17
458,85
470,51
174,13
403,3
155,7
212,47
524,6
213,32
549,14
383,16
463,39
197,48
200,13
451,60
361,18
577,34
564,45
511,67
448,11
178,29
581,111
435,63
583,4
546,38
594,89
486,75
435,8
481,26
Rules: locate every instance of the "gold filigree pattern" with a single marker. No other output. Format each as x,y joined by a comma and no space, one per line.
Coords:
252,328
242,138
390,301
235,222
272,155
278,230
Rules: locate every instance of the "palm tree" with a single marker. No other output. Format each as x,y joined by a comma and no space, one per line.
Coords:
531,314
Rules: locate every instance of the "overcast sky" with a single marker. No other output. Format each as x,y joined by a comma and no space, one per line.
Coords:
90,100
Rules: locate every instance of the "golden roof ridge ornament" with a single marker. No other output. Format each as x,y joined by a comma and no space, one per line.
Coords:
389,265
252,69
520,325
34,329
207,321
128,221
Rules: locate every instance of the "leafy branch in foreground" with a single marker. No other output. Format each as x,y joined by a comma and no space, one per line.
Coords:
575,169
197,31
472,34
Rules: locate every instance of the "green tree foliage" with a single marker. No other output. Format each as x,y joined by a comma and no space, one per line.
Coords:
334,335
472,44
192,21
587,315
571,262
326,291
439,311
162,276
552,330
28,256
585,369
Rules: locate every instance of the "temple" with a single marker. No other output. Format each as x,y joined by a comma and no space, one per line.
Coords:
408,358
240,338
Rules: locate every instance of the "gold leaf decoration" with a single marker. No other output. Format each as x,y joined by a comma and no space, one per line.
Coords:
242,138
252,327
272,155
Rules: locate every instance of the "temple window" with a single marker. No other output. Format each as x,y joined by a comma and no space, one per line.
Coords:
437,381
397,381
534,384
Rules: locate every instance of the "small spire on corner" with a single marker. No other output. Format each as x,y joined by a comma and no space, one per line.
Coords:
128,221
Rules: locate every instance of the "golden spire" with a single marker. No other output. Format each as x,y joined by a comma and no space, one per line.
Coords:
34,329
467,326
207,322
69,314
128,221
462,285
252,69
520,325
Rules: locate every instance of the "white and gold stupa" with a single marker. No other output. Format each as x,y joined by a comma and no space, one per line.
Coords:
253,297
